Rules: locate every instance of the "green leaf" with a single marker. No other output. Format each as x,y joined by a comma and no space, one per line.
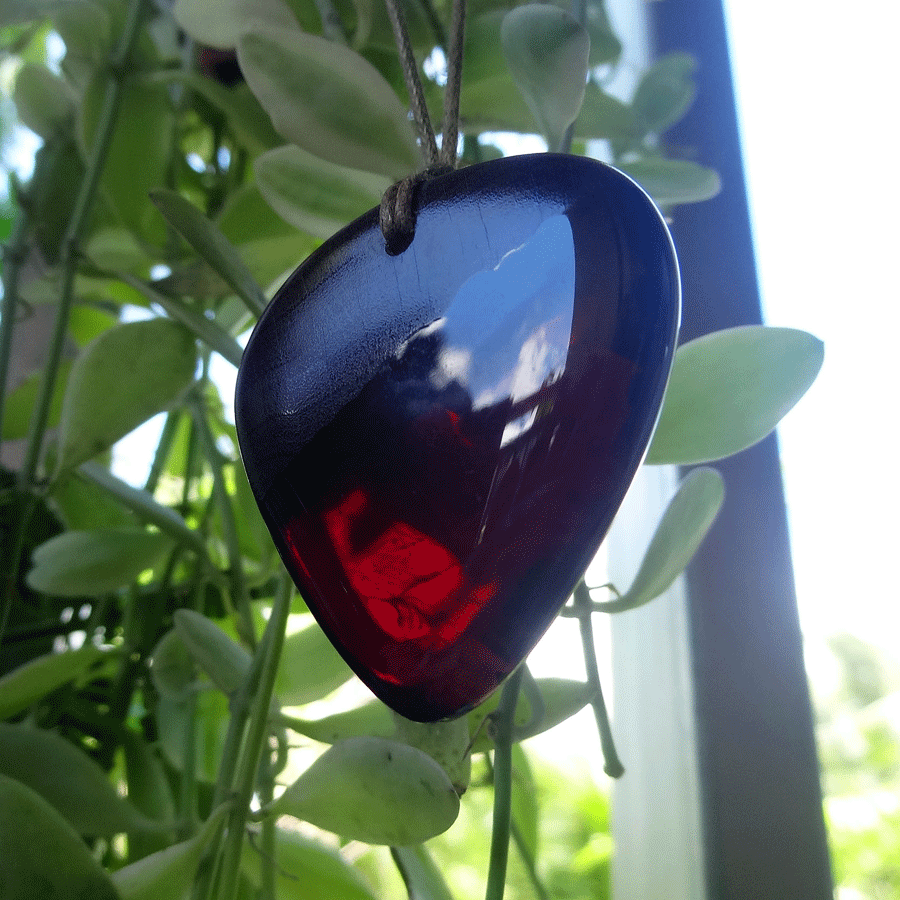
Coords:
491,101
149,790
138,152
314,195
253,535
148,787
93,563
231,17
210,709
603,117
684,524
43,858
246,213
447,743
84,506
69,780
547,52
89,322
307,869
20,403
372,719
172,668
273,259
671,181
17,12
168,873
87,30
729,389
494,104
215,337
211,245
372,28
114,248
52,208
121,379
38,677
421,874
561,697
44,102
328,100
222,659
605,46
87,290
144,505
310,667
251,126
665,93
373,790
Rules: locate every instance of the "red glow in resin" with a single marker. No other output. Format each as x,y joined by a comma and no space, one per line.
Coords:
439,440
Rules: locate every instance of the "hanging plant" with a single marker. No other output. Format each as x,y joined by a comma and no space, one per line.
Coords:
456,367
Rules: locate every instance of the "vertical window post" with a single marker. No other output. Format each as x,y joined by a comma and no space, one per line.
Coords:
763,825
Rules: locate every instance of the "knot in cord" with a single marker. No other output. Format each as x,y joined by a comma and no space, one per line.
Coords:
397,215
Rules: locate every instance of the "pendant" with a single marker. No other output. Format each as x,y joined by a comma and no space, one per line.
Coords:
439,439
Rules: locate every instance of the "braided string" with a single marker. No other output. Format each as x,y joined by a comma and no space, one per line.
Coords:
398,214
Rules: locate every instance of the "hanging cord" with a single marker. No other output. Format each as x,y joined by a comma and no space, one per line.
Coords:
453,88
413,83
398,215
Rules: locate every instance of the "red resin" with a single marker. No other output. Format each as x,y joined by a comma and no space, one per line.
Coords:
440,439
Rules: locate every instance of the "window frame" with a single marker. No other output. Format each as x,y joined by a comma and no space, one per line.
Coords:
759,794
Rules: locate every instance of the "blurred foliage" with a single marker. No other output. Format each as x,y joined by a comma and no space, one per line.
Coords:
859,748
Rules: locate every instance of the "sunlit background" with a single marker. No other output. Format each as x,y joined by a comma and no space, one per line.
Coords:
816,90
818,111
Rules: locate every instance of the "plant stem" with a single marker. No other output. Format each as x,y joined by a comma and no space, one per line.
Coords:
187,795
579,13
496,881
612,765
239,593
147,508
14,255
69,260
267,846
213,335
528,861
71,245
17,249
524,852
535,700
260,685
163,448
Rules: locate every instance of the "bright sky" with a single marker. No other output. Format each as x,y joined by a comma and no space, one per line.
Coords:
817,97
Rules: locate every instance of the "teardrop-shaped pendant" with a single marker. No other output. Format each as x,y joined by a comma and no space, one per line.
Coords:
439,440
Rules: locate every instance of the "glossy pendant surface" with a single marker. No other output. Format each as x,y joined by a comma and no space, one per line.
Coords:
439,440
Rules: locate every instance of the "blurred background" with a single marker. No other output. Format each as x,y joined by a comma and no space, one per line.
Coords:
814,87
